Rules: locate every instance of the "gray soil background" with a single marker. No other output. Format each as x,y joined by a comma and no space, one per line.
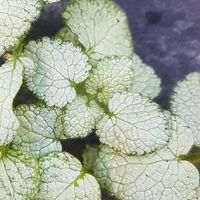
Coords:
166,35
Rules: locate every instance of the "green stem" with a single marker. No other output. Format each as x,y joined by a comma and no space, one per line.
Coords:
193,156
90,50
17,51
81,90
81,176
4,150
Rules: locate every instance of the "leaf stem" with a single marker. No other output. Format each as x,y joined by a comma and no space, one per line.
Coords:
193,156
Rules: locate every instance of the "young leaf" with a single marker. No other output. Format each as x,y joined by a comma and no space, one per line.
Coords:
37,132
15,20
80,118
65,34
63,177
101,27
19,177
185,102
10,83
134,125
55,70
89,156
112,75
146,82
161,175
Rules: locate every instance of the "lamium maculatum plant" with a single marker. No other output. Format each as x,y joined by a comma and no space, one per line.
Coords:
87,79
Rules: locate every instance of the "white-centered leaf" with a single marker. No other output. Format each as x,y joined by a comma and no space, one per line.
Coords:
80,118
112,75
160,175
146,82
19,176
63,178
101,27
37,133
16,17
10,83
135,125
55,69
185,102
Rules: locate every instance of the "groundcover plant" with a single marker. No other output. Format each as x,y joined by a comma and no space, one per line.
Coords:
88,78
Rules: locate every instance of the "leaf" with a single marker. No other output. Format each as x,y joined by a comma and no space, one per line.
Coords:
135,125
112,75
15,20
51,1
65,34
182,138
160,175
198,193
185,102
37,133
55,70
10,83
80,118
19,177
89,156
63,177
101,27
146,82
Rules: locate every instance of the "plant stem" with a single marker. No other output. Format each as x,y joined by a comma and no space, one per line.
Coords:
193,156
